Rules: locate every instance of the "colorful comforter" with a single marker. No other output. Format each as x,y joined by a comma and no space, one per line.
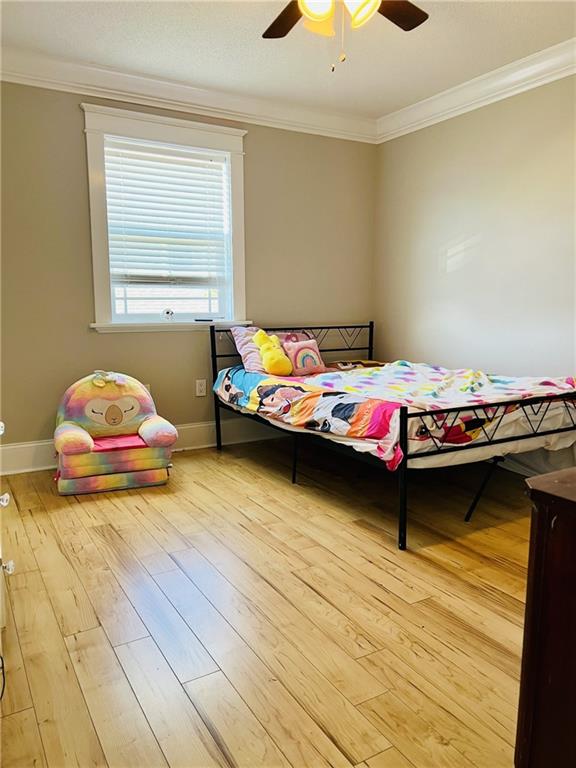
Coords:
363,403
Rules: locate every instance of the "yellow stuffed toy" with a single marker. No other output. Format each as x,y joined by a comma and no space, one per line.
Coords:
274,359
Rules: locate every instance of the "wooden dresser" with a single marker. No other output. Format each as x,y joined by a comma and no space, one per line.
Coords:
546,735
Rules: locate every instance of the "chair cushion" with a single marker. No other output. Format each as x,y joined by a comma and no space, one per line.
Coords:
108,462
118,443
115,482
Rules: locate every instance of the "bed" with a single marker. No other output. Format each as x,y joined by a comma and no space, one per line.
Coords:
400,414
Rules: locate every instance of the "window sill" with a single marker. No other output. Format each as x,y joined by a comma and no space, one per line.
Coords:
166,326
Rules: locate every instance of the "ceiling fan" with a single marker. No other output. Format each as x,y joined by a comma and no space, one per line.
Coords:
318,13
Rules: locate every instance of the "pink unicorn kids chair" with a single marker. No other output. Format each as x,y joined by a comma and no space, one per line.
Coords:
109,437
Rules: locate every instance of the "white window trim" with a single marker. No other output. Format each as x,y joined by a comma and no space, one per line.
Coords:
188,326
100,121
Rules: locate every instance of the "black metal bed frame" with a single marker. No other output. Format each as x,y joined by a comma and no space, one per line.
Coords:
489,416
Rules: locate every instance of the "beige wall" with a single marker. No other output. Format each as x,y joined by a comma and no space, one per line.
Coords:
458,238
309,204
475,243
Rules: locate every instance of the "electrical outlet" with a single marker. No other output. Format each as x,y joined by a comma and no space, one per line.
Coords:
200,387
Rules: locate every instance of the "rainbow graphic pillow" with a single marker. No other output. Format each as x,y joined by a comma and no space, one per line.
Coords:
305,357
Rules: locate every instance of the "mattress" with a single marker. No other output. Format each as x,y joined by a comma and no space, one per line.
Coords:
360,408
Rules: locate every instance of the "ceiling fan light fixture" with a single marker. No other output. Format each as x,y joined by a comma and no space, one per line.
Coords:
361,11
316,10
322,28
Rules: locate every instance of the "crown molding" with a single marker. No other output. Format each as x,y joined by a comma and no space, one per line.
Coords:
522,75
551,64
27,68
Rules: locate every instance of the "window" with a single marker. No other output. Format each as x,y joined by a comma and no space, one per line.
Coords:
166,199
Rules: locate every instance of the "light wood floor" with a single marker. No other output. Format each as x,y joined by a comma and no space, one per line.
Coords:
230,619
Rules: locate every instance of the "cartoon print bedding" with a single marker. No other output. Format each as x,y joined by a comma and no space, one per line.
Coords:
362,405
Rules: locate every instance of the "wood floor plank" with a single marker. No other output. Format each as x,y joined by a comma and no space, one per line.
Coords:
230,490
391,758
211,505
277,493
185,654
485,622
159,562
331,535
181,733
445,582
72,607
464,635
173,503
430,542
292,728
244,619
270,548
453,681
21,743
411,735
357,603
123,730
286,600
151,520
479,538
275,549
113,609
111,509
24,493
87,511
477,741
505,582
416,650
350,589
15,543
67,731
233,725
464,583
16,692
289,536
347,728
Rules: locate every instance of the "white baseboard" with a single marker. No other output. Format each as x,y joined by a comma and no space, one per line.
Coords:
234,430
16,458
26,457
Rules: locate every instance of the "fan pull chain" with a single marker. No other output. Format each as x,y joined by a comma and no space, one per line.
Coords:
342,54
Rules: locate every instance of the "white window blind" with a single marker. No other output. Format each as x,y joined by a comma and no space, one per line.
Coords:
169,230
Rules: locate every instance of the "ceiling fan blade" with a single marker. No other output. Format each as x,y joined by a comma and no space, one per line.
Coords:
284,22
403,14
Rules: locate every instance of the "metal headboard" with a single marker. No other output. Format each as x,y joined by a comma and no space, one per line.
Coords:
330,339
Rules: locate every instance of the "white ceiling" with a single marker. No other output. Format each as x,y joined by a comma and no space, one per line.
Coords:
217,45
